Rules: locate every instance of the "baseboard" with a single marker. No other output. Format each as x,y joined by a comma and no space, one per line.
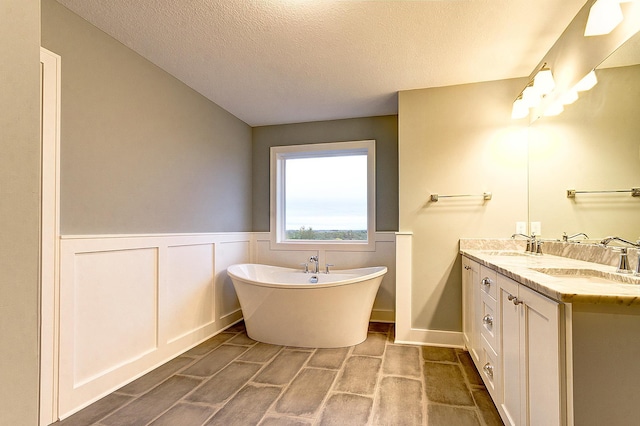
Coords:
415,336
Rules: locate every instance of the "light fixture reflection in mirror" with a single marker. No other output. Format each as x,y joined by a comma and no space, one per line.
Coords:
604,16
587,82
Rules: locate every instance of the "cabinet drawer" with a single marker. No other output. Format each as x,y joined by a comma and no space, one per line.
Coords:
488,320
488,281
489,369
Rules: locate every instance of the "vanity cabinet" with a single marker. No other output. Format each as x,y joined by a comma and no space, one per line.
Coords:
514,337
530,356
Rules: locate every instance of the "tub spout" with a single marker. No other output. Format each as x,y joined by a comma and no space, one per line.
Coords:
314,259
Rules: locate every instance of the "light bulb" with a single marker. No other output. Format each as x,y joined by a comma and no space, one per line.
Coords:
531,96
543,81
520,109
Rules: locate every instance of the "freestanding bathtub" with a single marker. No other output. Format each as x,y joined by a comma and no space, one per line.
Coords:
287,307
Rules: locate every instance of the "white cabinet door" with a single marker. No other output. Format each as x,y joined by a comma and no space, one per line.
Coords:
470,295
540,349
530,356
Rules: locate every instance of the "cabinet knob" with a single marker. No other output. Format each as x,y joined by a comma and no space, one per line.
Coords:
488,368
514,299
486,281
487,319
467,267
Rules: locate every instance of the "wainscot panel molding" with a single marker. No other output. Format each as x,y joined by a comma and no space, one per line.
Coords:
405,333
345,258
129,303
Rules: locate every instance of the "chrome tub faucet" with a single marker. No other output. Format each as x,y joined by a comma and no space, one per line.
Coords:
316,268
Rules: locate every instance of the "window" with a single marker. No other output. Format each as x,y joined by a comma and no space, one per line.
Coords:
323,194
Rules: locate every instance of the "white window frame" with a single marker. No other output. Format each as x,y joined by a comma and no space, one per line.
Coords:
278,156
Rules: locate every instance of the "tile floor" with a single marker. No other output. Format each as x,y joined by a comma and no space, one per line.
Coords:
233,380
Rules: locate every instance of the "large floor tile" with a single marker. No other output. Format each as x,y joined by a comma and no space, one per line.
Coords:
346,409
97,410
379,327
285,421
283,368
402,361
261,352
487,408
332,358
359,375
184,415
306,393
446,415
469,369
247,407
225,383
215,360
399,403
241,339
433,353
144,409
372,346
445,384
209,345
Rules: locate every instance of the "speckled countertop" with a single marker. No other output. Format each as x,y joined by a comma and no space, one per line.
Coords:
585,282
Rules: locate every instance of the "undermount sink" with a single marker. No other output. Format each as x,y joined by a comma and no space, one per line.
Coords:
505,253
589,275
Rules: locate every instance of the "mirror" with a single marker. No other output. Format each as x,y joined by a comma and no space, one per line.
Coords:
594,145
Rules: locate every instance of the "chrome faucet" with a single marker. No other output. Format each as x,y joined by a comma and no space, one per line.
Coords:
314,259
566,237
607,240
623,262
532,245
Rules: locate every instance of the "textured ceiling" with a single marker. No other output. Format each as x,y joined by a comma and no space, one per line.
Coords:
287,61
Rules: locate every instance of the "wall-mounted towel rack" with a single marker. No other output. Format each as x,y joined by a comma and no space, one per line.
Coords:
635,192
484,195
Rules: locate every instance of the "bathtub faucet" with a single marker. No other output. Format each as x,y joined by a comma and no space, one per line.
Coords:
316,269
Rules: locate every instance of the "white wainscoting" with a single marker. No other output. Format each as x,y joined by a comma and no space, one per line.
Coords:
130,303
383,255
405,332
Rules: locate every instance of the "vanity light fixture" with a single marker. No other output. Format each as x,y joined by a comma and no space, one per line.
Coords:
543,81
520,108
554,109
604,17
587,82
531,96
570,97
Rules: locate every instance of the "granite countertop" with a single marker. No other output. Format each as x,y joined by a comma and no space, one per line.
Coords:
586,282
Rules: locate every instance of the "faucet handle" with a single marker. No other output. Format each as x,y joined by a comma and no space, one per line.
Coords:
306,267
326,267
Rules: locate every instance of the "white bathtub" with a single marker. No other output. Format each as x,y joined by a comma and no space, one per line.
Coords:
282,307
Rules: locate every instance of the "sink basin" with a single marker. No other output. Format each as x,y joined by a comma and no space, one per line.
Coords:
589,276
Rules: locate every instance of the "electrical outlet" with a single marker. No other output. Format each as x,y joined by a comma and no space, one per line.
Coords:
521,227
536,228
